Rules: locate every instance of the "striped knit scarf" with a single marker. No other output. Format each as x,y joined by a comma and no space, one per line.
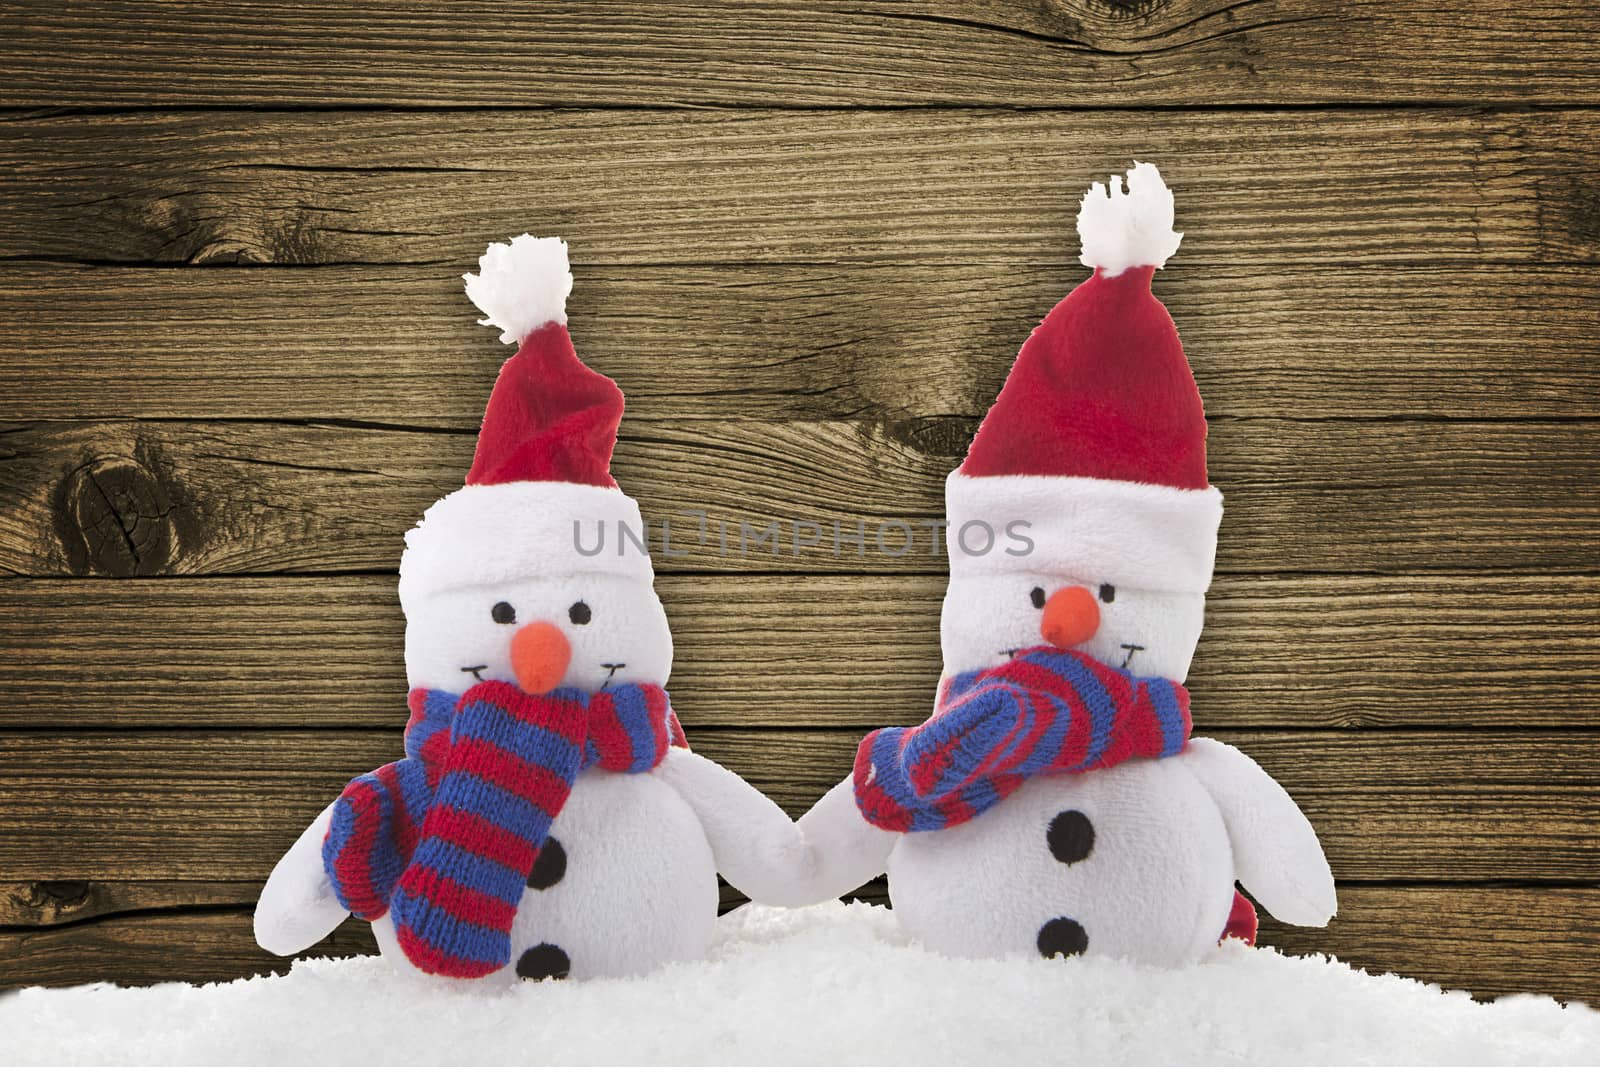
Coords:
1044,712
444,839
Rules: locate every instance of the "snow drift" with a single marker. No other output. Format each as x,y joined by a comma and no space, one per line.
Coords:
834,984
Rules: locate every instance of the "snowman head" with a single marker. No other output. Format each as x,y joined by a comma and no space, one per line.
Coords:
502,579
1092,465
494,587
1149,632
1114,569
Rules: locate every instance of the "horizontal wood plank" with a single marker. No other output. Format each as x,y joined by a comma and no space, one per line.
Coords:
1543,940
811,52
802,651
83,812
1375,497
1491,941
784,342
57,901
186,946
669,187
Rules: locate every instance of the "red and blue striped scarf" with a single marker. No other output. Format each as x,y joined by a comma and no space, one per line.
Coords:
1046,711
444,839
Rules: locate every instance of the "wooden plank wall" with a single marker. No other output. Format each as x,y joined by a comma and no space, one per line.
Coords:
808,238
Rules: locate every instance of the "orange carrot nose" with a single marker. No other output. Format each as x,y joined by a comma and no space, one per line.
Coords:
539,654
1071,616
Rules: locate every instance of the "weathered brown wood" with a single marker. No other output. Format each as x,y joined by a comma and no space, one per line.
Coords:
667,187
1489,940
57,903
1380,497
808,309
52,902
187,946
166,808
802,651
909,341
1163,52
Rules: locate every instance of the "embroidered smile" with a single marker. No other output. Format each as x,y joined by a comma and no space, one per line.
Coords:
611,668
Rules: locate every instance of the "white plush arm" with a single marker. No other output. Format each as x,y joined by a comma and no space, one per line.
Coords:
1276,854
765,855
297,906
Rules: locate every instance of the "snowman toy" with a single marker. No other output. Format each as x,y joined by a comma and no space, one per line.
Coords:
1054,802
548,819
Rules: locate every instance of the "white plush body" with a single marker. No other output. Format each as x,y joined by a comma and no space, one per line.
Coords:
1155,887
640,886
639,890
1170,838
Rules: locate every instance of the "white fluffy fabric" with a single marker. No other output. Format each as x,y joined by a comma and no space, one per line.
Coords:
1170,838
640,887
489,534
1132,228
1126,533
762,852
829,985
522,285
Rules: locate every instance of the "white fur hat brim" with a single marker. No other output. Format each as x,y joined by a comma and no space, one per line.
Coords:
489,534
1094,529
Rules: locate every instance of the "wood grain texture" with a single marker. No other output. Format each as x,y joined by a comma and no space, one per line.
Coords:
1488,940
59,901
1491,940
810,290
802,651
1373,497
785,342
161,809
813,52
704,187
31,904
188,946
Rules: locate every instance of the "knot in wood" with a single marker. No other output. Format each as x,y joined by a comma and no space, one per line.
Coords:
114,516
1125,9
43,903
940,436
58,894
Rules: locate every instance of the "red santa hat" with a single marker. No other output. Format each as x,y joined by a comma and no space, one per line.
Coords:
541,473
1097,441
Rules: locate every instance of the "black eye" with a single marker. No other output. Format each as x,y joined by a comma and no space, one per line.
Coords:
1037,596
579,613
1108,593
503,613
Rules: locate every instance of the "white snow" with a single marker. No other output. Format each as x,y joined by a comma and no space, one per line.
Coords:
829,985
